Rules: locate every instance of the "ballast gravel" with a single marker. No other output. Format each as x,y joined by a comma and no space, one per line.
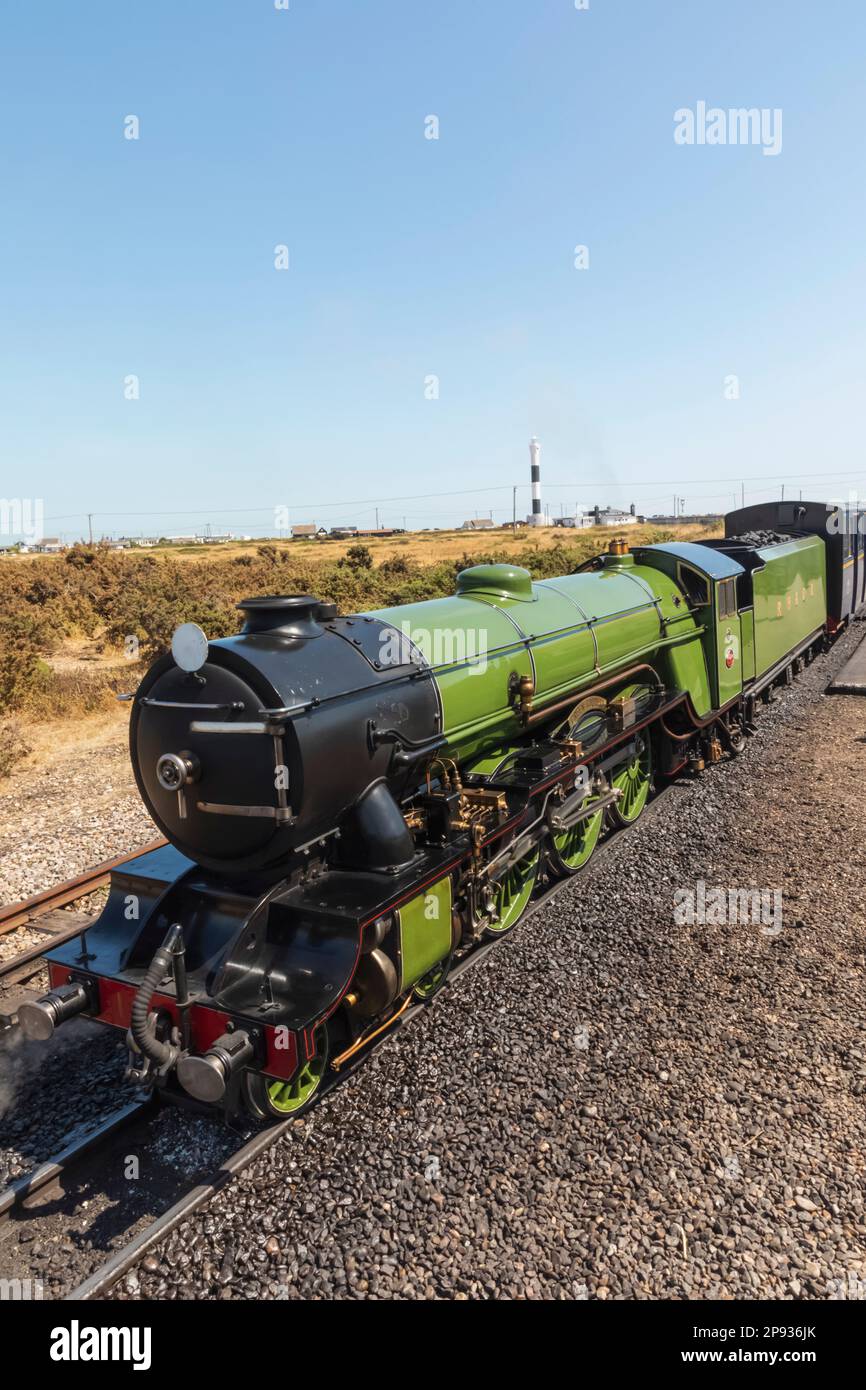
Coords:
58,820
614,1104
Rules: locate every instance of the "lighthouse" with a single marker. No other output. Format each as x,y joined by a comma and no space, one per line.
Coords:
537,517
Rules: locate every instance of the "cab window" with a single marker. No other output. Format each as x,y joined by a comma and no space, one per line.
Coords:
695,586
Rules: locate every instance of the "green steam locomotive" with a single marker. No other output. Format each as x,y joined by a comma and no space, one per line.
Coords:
353,803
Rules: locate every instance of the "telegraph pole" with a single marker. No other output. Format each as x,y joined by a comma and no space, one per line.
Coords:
514,508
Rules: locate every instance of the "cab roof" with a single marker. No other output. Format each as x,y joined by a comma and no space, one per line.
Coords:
715,564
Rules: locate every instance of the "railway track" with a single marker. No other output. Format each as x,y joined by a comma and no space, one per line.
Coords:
16,1202
15,1197
124,1259
27,1198
45,913
31,909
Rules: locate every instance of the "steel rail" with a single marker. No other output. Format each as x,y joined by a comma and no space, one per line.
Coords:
18,914
18,1191
21,914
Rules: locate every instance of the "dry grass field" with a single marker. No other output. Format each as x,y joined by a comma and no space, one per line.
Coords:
77,628
422,547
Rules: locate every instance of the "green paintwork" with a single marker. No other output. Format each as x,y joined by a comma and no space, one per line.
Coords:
285,1097
747,639
496,581
570,634
634,780
425,932
789,598
727,653
432,982
513,892
494,762
575,846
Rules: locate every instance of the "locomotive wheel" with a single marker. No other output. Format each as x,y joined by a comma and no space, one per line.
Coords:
737,740
572,848
633,779
430,984
512,894
269,1098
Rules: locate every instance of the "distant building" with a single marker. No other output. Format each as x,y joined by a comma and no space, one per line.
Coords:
687,519
308,533
49,545
479,523
608,516
342,533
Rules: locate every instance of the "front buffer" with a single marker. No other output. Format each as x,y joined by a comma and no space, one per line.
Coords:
229,1009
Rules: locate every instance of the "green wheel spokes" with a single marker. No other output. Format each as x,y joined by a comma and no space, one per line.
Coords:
288,1096
431,983
512,893
573,847
633,780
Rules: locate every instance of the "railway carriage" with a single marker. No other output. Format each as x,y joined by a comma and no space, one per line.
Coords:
353,803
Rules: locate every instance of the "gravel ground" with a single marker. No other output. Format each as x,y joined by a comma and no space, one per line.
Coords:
612,1105
78,1080
58,820
101,1203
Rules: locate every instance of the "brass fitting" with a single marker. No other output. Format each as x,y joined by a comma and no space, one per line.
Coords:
522,690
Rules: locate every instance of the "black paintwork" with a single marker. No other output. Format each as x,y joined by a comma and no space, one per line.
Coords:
839,528
337,694
265,950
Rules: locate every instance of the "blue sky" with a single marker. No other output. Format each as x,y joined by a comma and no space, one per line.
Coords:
412,257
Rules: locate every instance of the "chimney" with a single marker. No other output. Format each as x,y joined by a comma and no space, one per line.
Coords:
632,509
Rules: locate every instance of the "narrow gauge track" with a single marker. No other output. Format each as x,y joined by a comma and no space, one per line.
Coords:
41,912
18,1193
121,1261
125,1257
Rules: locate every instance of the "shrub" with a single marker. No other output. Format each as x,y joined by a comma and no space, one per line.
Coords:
359,557
12,746
22,670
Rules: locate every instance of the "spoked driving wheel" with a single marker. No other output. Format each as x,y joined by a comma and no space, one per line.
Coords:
430,984
508,898
572,848
267,1097
633,779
